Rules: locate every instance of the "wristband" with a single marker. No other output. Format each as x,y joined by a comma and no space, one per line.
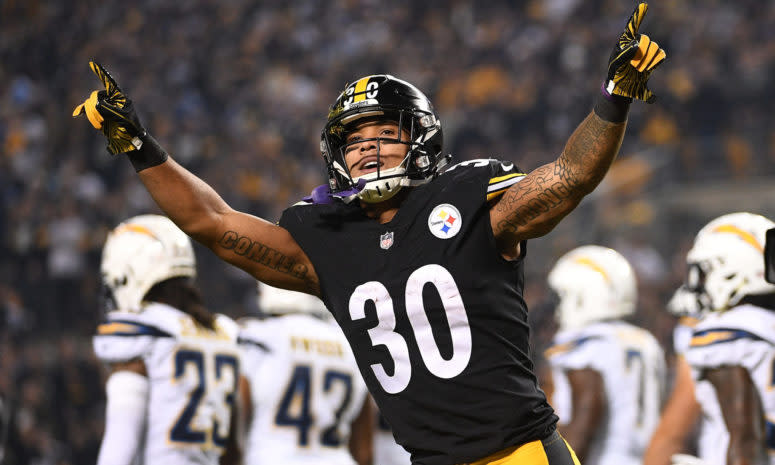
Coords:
148,155
612,108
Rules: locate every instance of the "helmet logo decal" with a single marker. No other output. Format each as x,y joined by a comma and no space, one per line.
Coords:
588,262
361,91
445,221
744,235
386,240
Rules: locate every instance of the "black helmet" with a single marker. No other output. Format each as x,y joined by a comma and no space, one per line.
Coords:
384,97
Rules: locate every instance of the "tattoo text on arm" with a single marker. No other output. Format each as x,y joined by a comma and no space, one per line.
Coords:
260,253
561,185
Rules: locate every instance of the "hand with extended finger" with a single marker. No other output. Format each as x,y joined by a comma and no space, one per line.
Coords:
112,112
633,59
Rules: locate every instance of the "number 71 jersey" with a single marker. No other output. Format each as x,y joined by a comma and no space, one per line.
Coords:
193,374
434,314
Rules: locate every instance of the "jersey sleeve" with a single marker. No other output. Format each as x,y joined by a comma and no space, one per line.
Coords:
682,335
253,344
717,347
578,354
126,336
502,174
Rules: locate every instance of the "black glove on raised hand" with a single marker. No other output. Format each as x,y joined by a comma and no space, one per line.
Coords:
633,59
111,111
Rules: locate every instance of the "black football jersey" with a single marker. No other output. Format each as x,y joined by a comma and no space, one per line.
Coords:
434,314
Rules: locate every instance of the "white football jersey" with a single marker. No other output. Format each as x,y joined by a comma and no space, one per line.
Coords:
743,336
632,366
682,334
305,388
386,450
193,374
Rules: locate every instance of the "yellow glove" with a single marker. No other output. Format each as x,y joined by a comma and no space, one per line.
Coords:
633,59
112,112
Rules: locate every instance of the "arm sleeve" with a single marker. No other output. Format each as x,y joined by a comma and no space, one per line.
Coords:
125,414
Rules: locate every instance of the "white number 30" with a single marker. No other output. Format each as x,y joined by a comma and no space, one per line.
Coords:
384,333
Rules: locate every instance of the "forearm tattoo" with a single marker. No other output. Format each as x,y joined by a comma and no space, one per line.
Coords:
553,190
246,247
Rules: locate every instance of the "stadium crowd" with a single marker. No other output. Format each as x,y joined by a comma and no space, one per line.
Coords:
238,92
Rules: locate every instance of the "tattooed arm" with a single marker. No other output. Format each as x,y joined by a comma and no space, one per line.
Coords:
534,206
264,250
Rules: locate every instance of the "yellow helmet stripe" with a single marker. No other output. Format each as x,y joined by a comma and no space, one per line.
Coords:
359,94
135,228
744,235
586,261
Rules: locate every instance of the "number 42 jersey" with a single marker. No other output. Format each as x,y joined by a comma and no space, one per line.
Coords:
434,314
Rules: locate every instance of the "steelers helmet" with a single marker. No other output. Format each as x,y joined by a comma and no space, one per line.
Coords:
139,253
726,261
382,96
273,300
593,283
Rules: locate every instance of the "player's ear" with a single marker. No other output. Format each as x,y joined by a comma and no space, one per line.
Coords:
769,256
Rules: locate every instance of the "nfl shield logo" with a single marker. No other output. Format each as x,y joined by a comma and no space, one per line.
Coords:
386,240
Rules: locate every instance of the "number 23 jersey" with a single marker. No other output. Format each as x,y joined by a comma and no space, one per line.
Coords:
434,314
193,374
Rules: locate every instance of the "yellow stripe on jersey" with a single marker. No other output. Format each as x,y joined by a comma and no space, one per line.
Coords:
359,94
503,178
711,337
499,185
113,328
744,235
558,349
688,321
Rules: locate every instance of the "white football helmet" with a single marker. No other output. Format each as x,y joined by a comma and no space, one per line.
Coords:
281,302
726,262
141,252
594,283
685,302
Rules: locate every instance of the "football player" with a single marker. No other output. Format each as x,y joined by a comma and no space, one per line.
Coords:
608,374
681,412
305,399
732,350
174,366
422,268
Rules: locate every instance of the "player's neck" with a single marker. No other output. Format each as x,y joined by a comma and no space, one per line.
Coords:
385,211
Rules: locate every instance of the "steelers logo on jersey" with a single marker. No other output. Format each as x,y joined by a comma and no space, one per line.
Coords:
445,221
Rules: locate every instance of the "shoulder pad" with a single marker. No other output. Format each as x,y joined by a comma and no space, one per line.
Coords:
252,333
500,174
227,325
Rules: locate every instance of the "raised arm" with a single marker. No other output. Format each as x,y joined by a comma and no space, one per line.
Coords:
534,206
266,251
263,249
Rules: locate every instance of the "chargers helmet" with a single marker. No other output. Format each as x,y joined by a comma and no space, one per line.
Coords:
383,96
594,283
281,302
726,261
685,303
141,252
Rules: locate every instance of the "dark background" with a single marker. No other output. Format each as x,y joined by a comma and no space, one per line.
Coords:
238,91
